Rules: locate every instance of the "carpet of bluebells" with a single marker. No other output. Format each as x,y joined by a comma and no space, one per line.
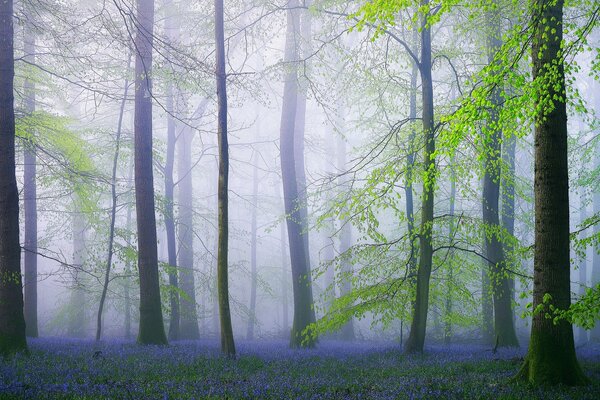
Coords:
78,369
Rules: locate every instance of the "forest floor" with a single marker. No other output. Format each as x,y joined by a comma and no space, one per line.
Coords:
81,369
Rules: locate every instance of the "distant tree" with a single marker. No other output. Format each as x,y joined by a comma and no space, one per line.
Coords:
151,329
304,313
253,245
12,321
30,245
227,343
551,357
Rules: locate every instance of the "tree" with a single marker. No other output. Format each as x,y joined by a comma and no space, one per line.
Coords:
151,329
304,314
12,321
416,338
30,245
551,357
227,343
500,285
253,244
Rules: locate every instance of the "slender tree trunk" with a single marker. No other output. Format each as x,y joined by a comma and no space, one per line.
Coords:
416,338
77,320
595,332
12,321
151,330
170,219
113,210
508,200
582,334
253,244
347,330
127,286
551,358
189,313
30,196
410,163
301,276
172,33
450,274
501,287
227,343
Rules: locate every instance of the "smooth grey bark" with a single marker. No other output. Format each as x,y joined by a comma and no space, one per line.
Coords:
113,208
30,246
227,342
253,244
151,328
12,321
416,338
128,272
284,276
301,275
410,163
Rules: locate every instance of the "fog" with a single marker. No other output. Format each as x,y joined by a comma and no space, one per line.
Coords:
355,153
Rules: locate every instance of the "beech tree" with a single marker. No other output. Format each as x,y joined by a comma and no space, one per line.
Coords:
551,357
12,321
151,330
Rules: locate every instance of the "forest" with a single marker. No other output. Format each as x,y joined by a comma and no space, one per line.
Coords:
299,199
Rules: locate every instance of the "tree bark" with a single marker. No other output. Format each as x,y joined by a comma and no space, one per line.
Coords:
253,244
450,274
551,358
582,334
30,195
151,329
113,209
12,321
301,276
504,329
416,338
227,343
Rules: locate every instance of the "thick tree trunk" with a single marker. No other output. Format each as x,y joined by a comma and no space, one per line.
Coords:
113,209
30,196
551,358
501,287
284,278
253,244
416,338
151,329
227,343
12,321
301,276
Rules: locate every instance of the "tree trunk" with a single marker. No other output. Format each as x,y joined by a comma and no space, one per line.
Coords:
227,343
12,321
504,329
127,285
416,338
113,210
582,334
301,276
508,200
172,33
347,330
450,274
253,266
551,358
30,195
189,315
77,320
284,278
595,332
151,329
